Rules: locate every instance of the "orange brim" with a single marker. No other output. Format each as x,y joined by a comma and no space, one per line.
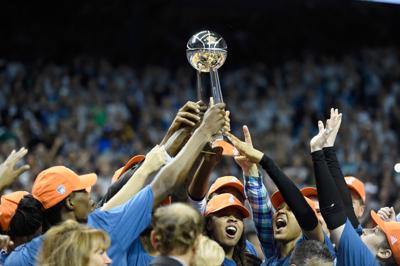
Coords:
227,148
277,200
235,185
242,209
87,181
134,160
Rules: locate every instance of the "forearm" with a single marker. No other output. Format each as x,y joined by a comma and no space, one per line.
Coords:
292,195
135,183
199,186
331,204
176,140
260,203
173,173
336,172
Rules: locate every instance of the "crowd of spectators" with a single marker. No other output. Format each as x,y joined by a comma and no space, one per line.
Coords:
91,115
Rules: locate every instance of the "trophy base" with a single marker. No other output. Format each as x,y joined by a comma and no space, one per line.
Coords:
227,148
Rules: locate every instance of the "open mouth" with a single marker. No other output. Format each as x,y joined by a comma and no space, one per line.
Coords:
231,231
280,223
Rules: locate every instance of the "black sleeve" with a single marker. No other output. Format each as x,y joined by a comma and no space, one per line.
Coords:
330,202
292,195
336,172
115,187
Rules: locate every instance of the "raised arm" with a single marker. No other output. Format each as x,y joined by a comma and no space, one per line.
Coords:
155,159
333,123
198,187
173,173
330,201
258,198
304,213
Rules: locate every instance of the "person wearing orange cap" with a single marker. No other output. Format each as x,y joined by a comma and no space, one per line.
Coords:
13,223
295,220
224,224
358,195
118,222
372,247
224,184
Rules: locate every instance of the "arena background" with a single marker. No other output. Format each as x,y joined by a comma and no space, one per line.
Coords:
89,83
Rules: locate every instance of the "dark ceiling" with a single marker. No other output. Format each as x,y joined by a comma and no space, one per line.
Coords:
156,32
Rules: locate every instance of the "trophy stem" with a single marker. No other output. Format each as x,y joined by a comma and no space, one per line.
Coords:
200,90
216,86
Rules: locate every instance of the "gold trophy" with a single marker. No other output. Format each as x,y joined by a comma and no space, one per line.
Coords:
206,52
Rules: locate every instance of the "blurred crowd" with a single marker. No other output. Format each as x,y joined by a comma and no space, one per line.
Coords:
91,115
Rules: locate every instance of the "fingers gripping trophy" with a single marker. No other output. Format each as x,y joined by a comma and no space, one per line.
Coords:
206,52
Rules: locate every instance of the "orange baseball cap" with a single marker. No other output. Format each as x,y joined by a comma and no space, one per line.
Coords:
227,148
226,181
134,160
8,206
223,201
277,199
54,184
392,232
356,185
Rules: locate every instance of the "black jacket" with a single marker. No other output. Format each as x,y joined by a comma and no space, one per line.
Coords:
164,261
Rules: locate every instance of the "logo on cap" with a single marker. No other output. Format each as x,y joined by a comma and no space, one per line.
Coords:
393,239
61,189
231,199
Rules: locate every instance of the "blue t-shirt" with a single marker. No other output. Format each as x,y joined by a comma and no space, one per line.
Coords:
249,247
352,251
123,224
137,255
276,261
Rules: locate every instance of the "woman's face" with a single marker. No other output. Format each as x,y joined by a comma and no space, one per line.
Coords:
285,226
98,255
226,227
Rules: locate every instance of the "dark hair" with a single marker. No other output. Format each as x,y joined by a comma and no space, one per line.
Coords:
238,251
310,251
28,218
52,216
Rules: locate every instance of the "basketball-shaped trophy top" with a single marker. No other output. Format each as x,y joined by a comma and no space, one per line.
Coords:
206,51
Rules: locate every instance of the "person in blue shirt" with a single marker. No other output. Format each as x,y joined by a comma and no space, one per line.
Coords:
376,246
68,190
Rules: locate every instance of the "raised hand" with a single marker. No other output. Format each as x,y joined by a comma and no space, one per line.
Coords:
318,141
333,123
8,170
156,158
249,168
387,214
214,119
245,148
189,115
